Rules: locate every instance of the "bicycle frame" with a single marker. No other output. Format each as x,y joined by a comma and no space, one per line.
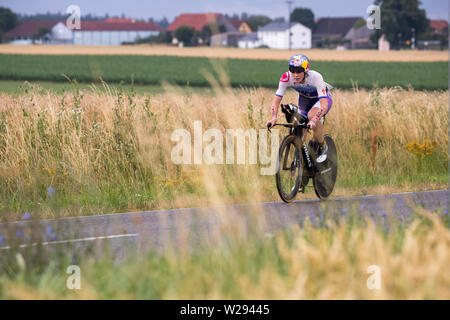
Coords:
296,128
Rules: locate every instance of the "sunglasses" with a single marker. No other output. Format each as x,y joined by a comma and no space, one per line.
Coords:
296,69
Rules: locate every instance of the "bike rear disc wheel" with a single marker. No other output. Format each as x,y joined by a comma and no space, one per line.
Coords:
325,177
289,168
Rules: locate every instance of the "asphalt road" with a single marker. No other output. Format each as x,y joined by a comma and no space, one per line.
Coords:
121,233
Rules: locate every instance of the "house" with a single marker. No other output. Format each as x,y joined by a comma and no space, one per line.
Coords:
350,32
438,26
275,35
113,33
240,25
359,37
250,41
25,33
227,39
199,20
60,34
96,33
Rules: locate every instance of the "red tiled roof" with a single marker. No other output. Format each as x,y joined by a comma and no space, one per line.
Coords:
30,28
118,20
198,20
438,25
121,26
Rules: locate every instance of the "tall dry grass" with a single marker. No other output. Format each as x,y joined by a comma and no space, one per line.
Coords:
108,150
232,53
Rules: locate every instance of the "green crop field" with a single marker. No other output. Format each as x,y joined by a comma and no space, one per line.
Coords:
152,70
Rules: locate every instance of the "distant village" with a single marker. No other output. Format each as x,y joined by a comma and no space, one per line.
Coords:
215,30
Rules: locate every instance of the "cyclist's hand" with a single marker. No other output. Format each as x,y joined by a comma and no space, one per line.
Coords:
271,123
311,124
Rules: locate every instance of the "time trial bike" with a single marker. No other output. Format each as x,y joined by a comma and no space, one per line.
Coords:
297,162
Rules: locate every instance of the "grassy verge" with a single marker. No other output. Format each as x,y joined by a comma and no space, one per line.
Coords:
331,257
109,150
151,70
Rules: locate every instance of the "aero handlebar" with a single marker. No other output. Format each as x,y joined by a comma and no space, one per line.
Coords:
290,125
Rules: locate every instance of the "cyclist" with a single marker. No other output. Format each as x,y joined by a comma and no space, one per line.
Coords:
314,98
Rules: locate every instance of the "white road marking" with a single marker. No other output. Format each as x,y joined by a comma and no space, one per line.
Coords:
46,243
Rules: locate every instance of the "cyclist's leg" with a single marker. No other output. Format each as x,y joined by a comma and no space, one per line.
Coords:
318,131
317,106
304,106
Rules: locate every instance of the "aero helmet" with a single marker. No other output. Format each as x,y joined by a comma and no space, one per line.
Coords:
299,60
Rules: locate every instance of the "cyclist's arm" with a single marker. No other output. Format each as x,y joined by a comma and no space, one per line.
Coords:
274,109
282,86
323,107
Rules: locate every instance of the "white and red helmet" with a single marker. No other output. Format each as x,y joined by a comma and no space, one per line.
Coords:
299,61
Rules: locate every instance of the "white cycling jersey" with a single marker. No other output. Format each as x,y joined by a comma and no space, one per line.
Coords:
314,86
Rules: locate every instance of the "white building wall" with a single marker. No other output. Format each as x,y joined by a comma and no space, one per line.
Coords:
86,38
77,38
300,39
96,37
105,38
249,44
132,35
114,38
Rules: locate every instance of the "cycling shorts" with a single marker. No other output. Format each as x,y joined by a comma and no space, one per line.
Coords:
306,104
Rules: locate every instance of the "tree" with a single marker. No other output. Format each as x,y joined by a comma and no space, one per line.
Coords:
162,37
205,34
360,23
42,33
258,21
433,36
163,23
8,20
279,19
398,18
185,34
210,29
305,16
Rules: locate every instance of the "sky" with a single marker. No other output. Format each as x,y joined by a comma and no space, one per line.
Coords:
144,9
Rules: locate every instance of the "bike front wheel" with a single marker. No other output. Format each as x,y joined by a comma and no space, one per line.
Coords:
325,177
289,168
